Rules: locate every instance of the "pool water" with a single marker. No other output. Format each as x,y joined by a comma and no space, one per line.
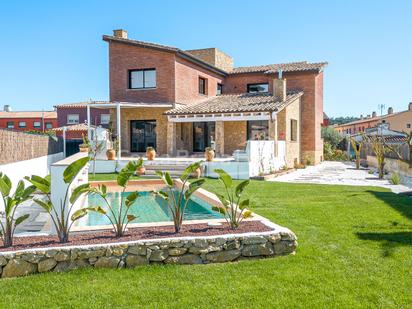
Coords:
147,208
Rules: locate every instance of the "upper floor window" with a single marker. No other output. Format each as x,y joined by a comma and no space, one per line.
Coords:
10,125
36,124
255,88
104,118
219,89
49,125
408,125
202,85
22,124
72,118
142,79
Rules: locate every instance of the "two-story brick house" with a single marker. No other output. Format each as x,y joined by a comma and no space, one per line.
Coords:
183,100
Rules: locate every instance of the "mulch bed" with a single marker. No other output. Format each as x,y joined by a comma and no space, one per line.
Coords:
106,236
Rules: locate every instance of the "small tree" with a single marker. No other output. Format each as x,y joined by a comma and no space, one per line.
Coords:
234,209
94,148
380,149
11,202
119,218
177,199
357,147
60,216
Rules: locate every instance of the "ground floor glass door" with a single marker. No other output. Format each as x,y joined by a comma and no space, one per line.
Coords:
203,134
142,135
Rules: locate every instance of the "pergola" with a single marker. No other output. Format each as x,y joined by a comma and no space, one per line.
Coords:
118,106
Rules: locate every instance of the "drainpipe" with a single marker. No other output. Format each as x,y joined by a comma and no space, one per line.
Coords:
64,141
88,123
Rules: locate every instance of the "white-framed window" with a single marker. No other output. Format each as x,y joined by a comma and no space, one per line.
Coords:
104,118
22,124
72,118
10,125
141,79
37,124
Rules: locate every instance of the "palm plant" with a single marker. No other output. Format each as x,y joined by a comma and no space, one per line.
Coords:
178,198
60,214
233,208
11,202
119,218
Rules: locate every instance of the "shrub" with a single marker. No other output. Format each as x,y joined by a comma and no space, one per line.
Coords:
119,218
177,199
60,215
233,208
332,137
395,179
11,202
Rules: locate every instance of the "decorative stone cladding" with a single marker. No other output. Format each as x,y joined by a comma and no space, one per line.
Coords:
214,57
235,134
184,250
18,146
128,114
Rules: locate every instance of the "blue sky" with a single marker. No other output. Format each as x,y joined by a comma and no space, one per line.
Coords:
51,52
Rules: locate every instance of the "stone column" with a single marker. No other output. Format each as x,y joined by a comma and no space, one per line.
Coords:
220,138
171,138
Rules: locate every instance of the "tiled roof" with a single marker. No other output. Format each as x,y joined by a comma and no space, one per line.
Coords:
237,103
285,67
81,127
32,114
81,104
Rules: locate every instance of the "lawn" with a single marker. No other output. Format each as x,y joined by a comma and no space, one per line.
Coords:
355,250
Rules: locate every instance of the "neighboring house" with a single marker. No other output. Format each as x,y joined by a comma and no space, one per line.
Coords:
76,113
179,100
27,120
400,121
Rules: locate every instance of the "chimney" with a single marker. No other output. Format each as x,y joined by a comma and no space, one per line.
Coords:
373,114
120,33
361,116
279,87
368,116
410,106
390,110
7,108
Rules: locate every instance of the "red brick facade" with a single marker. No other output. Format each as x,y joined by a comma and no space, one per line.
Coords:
49,123
95,115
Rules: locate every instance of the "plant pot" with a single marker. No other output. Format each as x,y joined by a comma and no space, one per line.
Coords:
209,155
141,171
151,154
111,154
84,148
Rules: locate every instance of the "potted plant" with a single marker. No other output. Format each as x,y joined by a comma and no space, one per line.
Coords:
150,153
141,170
209,154
111,153
84,147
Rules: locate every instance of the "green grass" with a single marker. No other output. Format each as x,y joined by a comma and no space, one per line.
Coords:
355,250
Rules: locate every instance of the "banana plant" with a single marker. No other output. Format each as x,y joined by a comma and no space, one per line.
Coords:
60,214
233,208
177,199
11,202
119,218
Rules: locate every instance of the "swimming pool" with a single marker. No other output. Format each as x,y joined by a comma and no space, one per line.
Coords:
147,208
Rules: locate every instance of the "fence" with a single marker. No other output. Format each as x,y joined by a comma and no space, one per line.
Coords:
18,146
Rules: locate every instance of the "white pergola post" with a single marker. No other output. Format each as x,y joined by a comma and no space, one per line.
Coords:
88,123
118,128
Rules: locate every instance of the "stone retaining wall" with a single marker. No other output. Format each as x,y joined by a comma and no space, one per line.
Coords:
183,250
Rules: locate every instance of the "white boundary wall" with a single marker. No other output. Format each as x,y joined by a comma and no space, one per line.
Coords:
38,166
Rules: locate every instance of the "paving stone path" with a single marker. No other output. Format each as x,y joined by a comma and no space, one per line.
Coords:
339,173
